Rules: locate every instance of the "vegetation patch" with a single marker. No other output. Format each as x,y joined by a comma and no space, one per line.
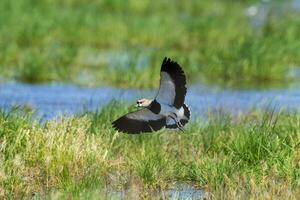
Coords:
253,156
44,41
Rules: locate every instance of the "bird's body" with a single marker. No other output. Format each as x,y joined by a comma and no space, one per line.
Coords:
183,116
166,110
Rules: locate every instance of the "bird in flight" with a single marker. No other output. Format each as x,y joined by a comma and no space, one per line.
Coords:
166,110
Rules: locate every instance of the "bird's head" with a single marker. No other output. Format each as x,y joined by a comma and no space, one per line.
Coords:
143,102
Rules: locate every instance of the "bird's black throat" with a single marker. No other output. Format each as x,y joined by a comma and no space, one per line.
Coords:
155,107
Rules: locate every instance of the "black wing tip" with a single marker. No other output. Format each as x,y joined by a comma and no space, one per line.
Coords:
120,125
169,64
132,126
173,68
116,125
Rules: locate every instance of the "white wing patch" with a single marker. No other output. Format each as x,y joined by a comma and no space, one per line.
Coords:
166,93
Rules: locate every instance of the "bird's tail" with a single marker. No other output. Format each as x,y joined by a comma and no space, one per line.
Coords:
187,114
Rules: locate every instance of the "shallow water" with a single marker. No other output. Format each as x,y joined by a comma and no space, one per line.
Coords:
178,191
185,191
56,99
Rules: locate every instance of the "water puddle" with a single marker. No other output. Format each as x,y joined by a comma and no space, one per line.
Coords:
178,191
54,100
259,12
185,191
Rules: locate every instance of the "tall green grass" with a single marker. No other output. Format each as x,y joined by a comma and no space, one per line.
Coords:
255,156
52,40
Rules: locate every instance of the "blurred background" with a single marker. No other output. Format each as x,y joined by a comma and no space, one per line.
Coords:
122,43
229,43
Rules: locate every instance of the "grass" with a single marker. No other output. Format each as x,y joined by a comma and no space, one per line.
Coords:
254,156
79,41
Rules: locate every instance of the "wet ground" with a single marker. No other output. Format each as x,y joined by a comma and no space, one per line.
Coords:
56,99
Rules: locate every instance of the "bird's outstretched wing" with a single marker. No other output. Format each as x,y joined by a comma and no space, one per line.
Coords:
172,88
139,121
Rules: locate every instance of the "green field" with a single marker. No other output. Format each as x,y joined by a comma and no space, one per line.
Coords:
61,41
254,156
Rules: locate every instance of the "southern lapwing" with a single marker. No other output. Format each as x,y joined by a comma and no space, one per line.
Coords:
166,110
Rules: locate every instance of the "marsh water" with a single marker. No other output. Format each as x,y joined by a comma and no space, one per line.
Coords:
55,100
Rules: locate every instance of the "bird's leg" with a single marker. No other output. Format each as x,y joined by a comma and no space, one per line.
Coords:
178,123
174,117
180,128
